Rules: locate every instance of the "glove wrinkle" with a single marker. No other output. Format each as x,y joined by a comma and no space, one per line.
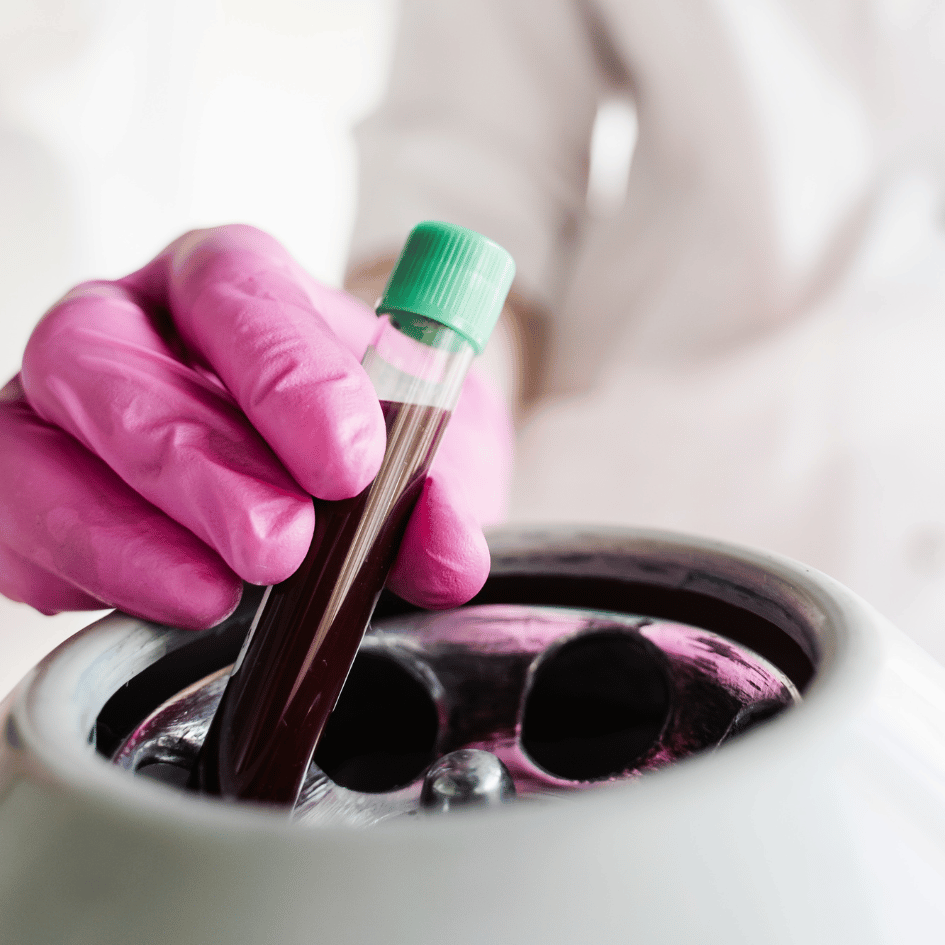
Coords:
177,439
66,512
28,583
308,397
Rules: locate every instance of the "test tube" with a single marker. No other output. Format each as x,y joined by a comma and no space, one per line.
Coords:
440,305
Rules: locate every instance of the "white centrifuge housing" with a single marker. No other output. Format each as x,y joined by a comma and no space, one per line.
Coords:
814,812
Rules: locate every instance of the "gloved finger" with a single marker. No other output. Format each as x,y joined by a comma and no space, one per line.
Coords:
28,583
66,512
444,558
240,301
98,367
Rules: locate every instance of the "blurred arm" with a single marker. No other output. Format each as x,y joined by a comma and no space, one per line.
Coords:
487,123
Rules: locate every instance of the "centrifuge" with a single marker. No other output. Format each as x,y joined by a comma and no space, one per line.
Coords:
627,736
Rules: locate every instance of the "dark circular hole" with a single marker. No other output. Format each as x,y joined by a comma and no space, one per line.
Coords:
383,730
596,705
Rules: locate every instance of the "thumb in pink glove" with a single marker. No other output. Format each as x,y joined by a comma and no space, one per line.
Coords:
170,428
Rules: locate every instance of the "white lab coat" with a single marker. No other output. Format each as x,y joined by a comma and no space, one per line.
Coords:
751,346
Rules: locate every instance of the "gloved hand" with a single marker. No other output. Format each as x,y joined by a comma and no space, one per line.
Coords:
167,430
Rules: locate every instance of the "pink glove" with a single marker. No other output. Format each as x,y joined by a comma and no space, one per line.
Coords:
167,430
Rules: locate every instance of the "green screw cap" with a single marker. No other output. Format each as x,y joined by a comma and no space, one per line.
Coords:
453,276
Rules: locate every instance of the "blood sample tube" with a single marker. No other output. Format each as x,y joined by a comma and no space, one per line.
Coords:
440,305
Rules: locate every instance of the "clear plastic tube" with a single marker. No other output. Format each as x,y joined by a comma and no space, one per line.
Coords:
307,630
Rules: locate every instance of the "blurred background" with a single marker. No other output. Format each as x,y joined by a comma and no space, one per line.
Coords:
124,123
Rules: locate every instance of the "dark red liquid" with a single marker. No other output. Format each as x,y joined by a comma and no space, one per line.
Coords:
291,672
